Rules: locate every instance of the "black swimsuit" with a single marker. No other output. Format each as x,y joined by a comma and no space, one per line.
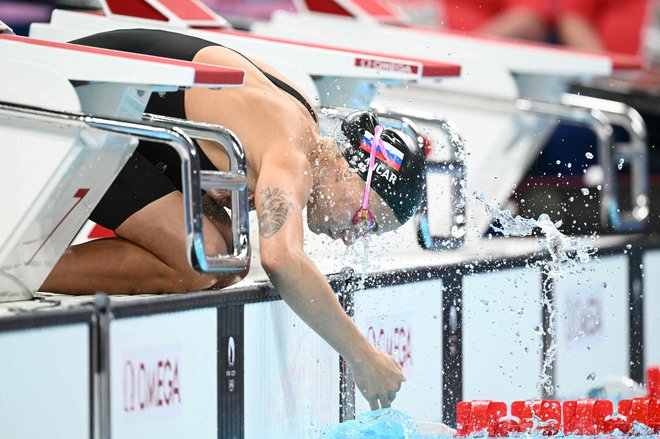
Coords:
154,170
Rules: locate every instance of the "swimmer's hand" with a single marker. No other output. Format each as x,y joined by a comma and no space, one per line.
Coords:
378,377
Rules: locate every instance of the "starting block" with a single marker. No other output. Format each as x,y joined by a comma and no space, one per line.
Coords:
64,145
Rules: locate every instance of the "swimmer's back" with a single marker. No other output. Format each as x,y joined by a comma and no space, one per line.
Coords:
183,47
147,42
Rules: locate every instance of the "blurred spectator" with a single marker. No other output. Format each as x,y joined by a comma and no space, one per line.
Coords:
524,19
610,25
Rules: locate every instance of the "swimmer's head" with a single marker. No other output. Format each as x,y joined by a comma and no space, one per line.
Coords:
397,183
399,176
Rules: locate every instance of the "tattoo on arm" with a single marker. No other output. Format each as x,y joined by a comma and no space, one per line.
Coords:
274,209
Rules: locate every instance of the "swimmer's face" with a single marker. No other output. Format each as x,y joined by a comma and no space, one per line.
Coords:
332,207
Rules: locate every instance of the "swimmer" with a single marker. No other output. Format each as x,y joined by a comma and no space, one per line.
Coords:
290,167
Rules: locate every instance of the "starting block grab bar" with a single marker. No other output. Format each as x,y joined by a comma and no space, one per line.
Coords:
177,134
599,115
635,153
235,181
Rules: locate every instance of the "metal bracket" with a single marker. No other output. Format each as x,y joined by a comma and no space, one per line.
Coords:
634,152
601,126
192,177
235,181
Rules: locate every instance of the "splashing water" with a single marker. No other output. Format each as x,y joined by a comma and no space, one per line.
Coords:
382,424
565,254
562,249
356,257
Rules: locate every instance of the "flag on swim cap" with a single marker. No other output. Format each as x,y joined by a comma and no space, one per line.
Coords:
399,175
385,152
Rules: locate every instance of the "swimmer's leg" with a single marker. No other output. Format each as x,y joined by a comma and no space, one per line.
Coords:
148,256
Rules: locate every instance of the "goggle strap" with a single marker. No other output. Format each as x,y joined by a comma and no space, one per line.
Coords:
378,131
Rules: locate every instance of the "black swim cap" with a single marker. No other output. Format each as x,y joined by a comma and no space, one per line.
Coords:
398,178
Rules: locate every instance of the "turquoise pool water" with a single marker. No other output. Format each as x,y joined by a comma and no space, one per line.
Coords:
394,424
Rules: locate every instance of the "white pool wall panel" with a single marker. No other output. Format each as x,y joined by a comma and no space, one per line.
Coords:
406,321
651,261
291,375
592,325
148,398
502,347
45,383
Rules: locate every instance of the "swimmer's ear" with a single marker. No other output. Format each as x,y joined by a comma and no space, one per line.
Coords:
355,125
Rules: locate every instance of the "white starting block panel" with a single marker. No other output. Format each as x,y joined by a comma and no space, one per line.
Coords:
54,174
83,63
522,58
183,13
297,61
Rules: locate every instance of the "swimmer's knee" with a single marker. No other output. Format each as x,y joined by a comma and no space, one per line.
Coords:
186,279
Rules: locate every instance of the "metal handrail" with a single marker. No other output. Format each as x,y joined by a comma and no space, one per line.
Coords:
599,120
454,166
235,181
601,126
635,152
191,177
598,115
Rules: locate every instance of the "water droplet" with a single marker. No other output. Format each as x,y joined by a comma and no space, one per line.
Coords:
585,191
589,155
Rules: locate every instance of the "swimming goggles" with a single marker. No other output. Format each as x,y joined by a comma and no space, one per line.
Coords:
363,220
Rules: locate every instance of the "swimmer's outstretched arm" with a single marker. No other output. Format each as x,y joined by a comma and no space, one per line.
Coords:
284,185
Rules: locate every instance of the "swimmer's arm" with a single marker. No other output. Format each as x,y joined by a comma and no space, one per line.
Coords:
282,191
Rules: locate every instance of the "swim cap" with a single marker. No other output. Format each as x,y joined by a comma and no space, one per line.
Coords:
398,178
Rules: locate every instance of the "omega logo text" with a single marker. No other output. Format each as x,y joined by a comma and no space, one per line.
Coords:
385,65
395,341
151,385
